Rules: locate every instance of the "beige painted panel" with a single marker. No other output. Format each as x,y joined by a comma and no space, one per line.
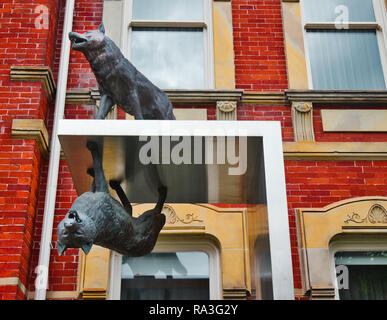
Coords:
354,120
294,46
223,46
190,114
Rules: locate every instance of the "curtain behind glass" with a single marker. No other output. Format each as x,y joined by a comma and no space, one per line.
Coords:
366,283
345,60
329,10
367,273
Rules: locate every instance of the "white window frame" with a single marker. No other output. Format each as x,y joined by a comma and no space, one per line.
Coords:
373,243
174,245
379,26
207,24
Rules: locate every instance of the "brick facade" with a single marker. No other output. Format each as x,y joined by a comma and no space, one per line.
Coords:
260,65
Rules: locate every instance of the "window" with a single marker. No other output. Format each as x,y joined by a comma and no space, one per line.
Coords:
175,270
360,267
166,276
367,275
345,45
170,42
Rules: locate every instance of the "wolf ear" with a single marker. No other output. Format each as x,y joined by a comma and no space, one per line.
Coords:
61,248
86,247
101,28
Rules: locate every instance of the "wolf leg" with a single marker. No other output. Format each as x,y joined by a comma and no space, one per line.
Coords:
105,106
115,184
160,202
99,176
91,173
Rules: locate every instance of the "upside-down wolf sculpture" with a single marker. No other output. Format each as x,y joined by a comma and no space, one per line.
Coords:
119,81
97,218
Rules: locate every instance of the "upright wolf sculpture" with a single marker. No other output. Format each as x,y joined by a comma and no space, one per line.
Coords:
97,218
119,81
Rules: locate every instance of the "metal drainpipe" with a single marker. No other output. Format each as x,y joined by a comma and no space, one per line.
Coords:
52,179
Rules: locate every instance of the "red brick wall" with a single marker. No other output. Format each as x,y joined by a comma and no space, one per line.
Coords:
269,113
260,63
21,43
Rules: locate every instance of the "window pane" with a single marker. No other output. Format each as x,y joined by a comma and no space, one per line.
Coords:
367,275
166,275
345,60
171,58
168,10
330,10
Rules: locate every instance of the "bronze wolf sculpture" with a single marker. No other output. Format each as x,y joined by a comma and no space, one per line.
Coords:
119,81
97,218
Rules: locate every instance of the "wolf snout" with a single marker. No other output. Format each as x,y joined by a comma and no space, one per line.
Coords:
76,37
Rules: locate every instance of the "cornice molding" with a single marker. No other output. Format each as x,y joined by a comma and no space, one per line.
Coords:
335,150
264,98
33,129
42,74
336,97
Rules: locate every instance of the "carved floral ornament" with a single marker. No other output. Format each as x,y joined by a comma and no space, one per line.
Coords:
376,214
172,217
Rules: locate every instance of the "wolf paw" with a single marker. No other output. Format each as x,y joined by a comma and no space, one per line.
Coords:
90,172
91,145
115,184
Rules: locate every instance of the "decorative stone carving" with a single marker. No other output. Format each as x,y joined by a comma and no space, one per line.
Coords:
226,110
172,217
376,214
302,116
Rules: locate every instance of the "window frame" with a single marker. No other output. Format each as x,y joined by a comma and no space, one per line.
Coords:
378,26
176,244
375,243
207,25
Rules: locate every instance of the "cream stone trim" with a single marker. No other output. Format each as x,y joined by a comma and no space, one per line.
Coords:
13,281
224,67
33,129
302,118
294,45
335,150
57,295
36,73
317,227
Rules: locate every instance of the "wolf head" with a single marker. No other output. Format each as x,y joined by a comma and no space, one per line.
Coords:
76,230
89,41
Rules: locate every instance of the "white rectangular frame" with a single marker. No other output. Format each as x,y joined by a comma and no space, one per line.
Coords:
276,200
